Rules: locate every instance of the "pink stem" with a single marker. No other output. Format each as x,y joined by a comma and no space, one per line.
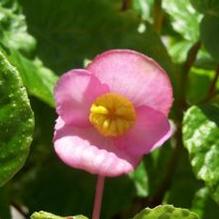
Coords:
98,197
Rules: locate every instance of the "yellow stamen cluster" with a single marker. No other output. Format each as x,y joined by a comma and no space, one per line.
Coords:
112,114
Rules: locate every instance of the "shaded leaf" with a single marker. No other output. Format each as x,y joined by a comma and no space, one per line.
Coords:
205,60
203,205
67,35
74,188
199,83
38,79
210,34
4,204
145,176
210,7
20,46
184,184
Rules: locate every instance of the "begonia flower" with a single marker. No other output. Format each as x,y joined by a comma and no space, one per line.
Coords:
112,113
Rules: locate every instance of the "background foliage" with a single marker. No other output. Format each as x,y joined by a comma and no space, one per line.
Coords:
40,40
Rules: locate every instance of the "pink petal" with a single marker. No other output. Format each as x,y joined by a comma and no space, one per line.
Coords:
84,148
74,94
135,76
150,131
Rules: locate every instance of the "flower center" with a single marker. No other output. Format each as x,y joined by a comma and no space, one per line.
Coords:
112,114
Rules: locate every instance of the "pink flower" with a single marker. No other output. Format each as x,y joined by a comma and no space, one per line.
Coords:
112,113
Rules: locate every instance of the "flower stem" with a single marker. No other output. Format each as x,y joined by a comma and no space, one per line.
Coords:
212,88
98,197
158,15
191,57
126,4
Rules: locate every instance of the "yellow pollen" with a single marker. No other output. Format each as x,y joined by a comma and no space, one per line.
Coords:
112,114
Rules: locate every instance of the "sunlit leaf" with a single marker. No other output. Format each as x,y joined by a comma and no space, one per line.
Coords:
201,138
13,28
166,211
47,215
185,20
16,121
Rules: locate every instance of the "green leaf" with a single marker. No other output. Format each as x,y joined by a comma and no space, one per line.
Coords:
16,121
140,178
201,138
67,35
46,215
184,183
203,205
13,29
210,7
145,176
179,50
166,212
210,34
80,217
144,8
199,83
20,46
34,187
205,60
38,79
4,203
74,188
185,20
